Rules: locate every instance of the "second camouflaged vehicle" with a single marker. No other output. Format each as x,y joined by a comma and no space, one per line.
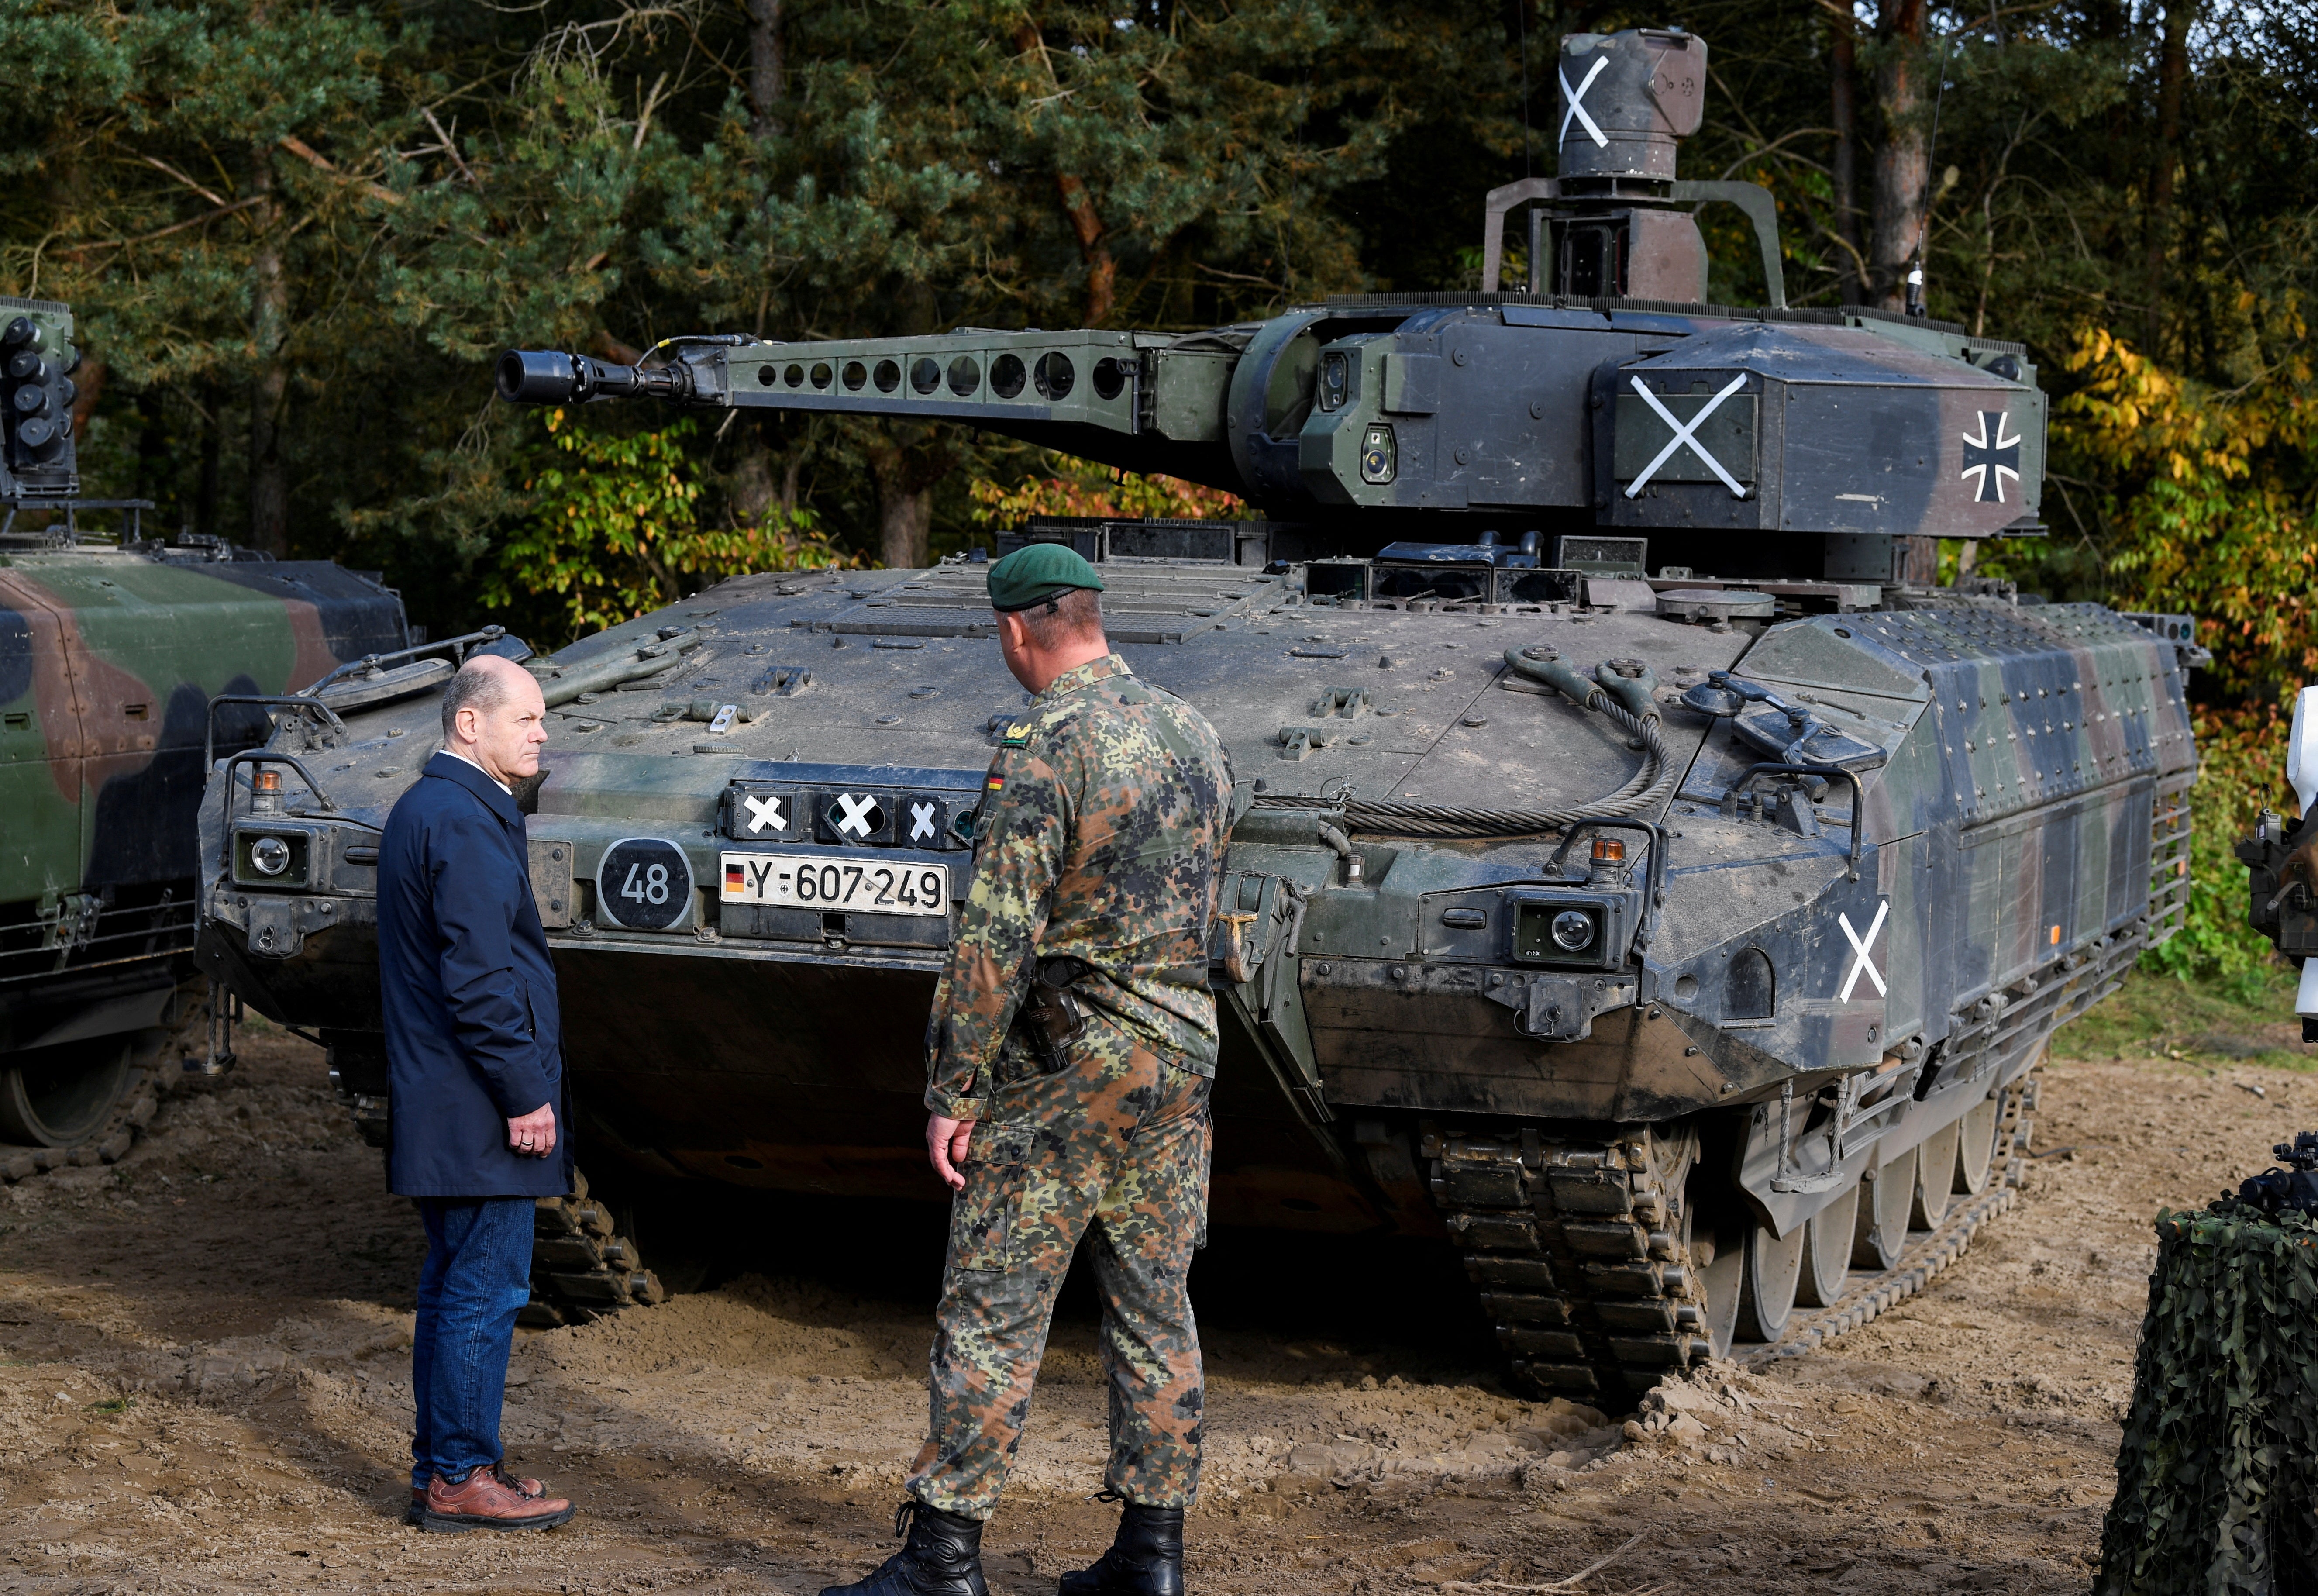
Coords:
111,653
1671,945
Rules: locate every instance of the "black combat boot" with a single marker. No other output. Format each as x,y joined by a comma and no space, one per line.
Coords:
1145,1557
942,1557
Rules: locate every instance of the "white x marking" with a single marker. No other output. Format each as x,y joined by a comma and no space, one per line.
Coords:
1859,946
764,812
921,821
1686,435
857,810
1576,99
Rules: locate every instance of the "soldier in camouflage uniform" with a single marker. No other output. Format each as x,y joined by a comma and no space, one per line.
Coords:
1101,832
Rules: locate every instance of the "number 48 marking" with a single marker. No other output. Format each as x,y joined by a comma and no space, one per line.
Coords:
653,889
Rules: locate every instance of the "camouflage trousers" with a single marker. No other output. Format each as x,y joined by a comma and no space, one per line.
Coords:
1114,1149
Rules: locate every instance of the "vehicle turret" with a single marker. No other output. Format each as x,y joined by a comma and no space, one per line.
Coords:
1607,395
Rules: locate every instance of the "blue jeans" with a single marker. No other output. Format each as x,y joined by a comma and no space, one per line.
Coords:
476,1278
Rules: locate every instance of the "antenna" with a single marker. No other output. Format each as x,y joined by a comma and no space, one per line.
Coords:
1931,151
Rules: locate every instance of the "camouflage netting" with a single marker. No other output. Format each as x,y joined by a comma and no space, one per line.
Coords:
2216,1474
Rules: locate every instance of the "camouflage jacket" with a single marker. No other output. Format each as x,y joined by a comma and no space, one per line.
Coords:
1100,837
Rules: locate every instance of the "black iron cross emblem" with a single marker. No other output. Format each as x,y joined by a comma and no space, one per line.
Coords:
1986,463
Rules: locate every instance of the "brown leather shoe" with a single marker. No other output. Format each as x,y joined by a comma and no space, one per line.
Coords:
484,1501
526,1486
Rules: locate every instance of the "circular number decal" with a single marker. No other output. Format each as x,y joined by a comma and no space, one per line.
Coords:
644,884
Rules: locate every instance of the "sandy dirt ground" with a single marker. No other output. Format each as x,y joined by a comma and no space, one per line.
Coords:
204,1386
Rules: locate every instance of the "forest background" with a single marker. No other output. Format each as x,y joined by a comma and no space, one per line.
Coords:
297,234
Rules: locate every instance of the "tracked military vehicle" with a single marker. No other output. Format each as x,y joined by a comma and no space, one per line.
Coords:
1635,884
112,651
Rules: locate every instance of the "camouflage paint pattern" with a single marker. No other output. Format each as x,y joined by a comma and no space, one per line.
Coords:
1098,837
1116,1149
108,660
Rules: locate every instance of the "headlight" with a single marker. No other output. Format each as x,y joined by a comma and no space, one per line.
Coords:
271,859
1555,926
1380,457
1335,380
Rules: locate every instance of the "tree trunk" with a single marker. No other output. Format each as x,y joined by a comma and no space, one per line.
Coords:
1844,93
752,478
205,500
904,527
2110,148
2172,73
1918,562
1078,204
269,309
152,451
89,383
767,71
1102,272
906,471
1903,172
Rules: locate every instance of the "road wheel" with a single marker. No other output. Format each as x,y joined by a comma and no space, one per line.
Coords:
1774,1268
1827,1250
61,1097
1976,1144
1936,1170
1716,1250
1885,1202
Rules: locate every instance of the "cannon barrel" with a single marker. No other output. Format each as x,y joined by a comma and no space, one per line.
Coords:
1138,402
544,377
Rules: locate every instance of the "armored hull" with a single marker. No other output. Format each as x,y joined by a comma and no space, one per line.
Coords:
1639,878
1778,1005
109,660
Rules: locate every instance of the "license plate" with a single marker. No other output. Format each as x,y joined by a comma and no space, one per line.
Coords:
851,885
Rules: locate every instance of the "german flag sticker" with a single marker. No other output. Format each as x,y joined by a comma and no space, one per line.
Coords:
995,784
736,880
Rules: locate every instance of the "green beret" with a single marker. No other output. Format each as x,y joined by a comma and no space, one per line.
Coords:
1037,572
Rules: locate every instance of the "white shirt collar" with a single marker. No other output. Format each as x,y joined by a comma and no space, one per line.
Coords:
495,781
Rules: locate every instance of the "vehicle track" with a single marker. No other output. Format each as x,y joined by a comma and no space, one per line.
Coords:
582,1264
1585,1257
140,1098
135,1111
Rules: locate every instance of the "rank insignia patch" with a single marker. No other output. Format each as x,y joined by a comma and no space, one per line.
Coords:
1017,735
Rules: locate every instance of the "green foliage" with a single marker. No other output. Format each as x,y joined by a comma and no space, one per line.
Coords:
2196,1021
429,184
613,532
1074,487
2217,1470
2240,772
2214,493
